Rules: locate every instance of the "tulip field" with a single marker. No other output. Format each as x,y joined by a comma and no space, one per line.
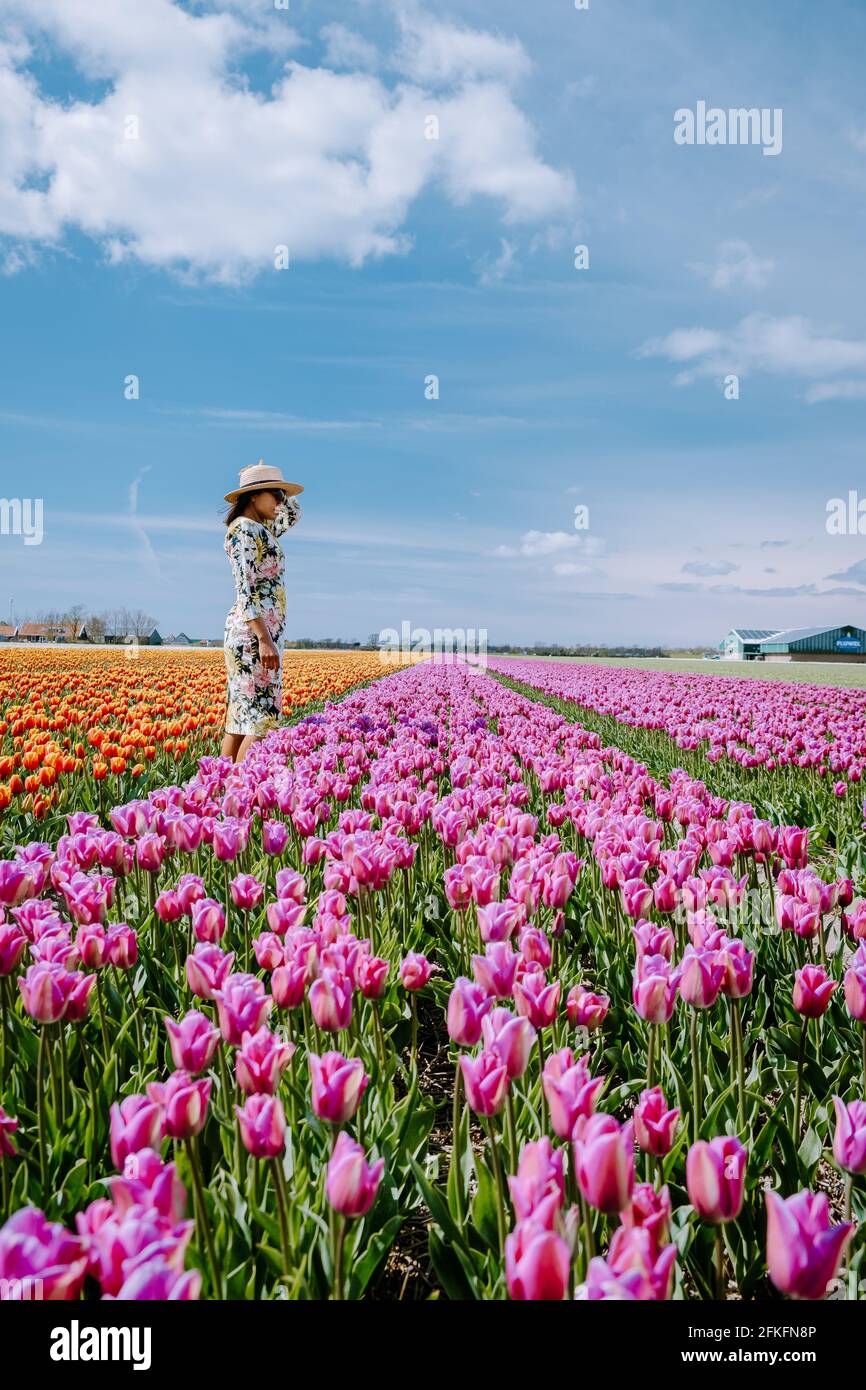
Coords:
540,982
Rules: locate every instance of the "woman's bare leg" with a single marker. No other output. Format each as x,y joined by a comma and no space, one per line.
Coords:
246,745
230,745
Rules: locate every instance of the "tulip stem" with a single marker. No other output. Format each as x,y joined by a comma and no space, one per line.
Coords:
40,1112
103,1029
740,1062
282,1210
456,1155
542,1110
864,1058
500,1184
650,1056
512,1131
338,1233
414,1053
798,1089
720,1266
697,1084
205,1234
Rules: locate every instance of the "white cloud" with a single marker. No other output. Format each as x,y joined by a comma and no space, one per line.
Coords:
439,53
789,346
708,567
491,271
346,49
326,163
735,264
836,391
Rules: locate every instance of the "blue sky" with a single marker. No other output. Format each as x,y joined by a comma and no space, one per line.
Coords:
411,257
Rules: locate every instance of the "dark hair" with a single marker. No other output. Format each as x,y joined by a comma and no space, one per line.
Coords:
239,506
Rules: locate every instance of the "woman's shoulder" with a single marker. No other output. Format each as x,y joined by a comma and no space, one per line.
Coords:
244,523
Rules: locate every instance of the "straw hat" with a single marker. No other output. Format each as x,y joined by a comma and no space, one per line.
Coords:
262,475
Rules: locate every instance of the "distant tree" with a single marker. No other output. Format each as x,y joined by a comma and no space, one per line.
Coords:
96,625
139,624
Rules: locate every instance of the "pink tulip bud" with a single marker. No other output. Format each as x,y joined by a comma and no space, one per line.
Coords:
812,990
331,1001
585,1009
654,1124
654,990
486,1082
242,1005
371,976
499,921
537,1264
803,1250
510,1038
263,1125
538,1190
135,1123
184,1103
467,1005
495,971
122,943
849,1140
168,906
260,1062
275,837
570,1090
352,1183
855,988
288,984
604,1162
338,1083
208,920
701,975
207,969
535,999
715,1178
13,943
193,1041
44,991
415,971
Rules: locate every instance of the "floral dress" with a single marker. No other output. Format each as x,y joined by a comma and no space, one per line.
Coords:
256,557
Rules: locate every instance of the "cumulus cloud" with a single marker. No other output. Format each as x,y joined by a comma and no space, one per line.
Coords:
855,574
535,545
735,264
326,163
789,346
346,49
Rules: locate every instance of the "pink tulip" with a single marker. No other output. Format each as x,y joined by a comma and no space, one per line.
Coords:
147,1182
260,1062
701,975
285,914
649,1210
534,946
486,1082
44,991
604,1162
208,920
371,976
38,1255
739,967
499,921
229,839
654,990
184,1102
135,1123
637,897
275,837
537,1264
415,971
242,1005
150,850
803,1250
288,984
812,990
715,1178
78,997
654,1124
538,1190
509,1038
352,1183
635,1269
122,943
246,892
156,1280
193,1041
263,1125
849,1140
168,906
467,1005
338,1083
207,969
13,943
331,1001
585,1009
855,987
496,969
535,999
570,1090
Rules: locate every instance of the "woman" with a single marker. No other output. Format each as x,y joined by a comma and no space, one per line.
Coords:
261,508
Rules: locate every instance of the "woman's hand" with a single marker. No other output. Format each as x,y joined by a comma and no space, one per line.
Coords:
269,655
